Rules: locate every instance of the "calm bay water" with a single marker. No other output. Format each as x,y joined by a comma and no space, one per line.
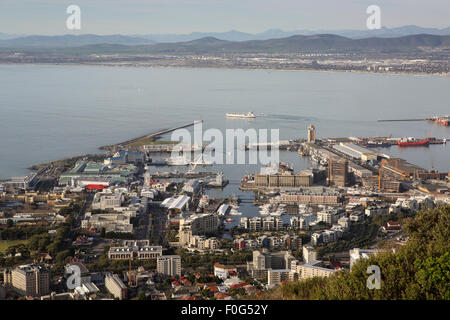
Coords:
51,112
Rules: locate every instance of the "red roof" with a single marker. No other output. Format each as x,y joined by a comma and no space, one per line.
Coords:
190,298
96,186
239,285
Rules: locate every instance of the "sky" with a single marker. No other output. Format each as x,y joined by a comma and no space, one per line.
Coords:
186,16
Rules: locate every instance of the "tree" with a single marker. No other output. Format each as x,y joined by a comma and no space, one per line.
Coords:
142,296
419,270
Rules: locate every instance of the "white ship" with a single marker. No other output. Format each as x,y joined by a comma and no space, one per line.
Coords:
177,161
249,115
234,212
201,162
281,210
265,209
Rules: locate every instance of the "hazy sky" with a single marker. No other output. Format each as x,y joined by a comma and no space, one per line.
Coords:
185,16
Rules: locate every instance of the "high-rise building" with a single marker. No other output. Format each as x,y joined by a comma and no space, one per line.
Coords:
311,134
147,178
30,280
309,254
338,172
169,265
276,276
264,260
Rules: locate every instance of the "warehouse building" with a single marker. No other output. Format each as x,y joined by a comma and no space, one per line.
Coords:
356,152
286,180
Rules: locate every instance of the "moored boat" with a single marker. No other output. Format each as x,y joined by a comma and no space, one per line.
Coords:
412,142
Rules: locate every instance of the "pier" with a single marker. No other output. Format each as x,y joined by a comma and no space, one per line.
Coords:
150,136
398,120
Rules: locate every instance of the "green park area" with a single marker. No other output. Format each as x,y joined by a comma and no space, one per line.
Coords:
4,244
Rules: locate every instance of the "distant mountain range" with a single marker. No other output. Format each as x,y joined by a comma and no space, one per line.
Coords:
5,36
293,44
72,41
234,35
17,41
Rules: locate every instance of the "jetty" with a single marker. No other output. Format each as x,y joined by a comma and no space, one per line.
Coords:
150,138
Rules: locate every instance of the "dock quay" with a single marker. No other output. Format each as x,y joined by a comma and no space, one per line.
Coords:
174,175
379,142
148,136
169,148
440,120
395,120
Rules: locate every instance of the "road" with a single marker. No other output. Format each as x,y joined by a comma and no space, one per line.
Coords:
160,226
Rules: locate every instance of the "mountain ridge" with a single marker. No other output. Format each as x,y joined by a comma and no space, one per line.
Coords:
292,44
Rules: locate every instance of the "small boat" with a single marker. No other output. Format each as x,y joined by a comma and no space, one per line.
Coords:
234,212
276,213
248,115
377,144
229,220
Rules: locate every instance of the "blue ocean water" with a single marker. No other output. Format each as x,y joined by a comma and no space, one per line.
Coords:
48,112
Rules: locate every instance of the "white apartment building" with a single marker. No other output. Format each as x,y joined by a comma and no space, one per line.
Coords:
116,287
169,265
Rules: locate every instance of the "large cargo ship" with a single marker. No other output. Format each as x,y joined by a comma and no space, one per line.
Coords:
412,142
249,115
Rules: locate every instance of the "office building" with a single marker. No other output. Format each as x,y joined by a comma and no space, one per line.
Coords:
276,276
116,287
135,249
312,269
169,265
29,280
338,172
309,254
264,260
311,134
105,201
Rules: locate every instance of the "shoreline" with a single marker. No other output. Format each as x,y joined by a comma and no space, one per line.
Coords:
134,65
